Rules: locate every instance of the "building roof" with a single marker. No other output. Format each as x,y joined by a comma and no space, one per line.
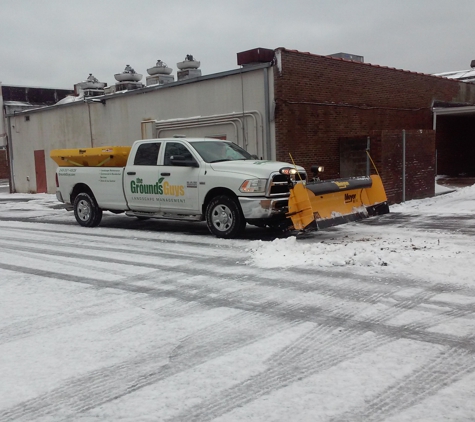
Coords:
459,75
356,63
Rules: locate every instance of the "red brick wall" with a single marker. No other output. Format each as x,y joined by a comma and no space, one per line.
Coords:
420,163
320,100
4,168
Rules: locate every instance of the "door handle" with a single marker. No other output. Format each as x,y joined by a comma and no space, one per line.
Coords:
164,174
131,173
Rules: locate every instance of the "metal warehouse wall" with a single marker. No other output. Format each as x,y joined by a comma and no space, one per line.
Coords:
118,122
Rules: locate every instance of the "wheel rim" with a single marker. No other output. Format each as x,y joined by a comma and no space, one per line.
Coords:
222,218
83,210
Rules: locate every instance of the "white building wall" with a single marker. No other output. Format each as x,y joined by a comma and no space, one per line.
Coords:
229,105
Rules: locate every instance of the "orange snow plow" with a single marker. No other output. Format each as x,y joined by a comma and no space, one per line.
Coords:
321,204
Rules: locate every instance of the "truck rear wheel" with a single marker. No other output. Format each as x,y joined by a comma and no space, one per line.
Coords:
86,210
224,217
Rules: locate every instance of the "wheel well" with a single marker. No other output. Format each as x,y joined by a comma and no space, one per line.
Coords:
80,188
216,192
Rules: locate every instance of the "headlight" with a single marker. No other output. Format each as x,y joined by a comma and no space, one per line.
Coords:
253,185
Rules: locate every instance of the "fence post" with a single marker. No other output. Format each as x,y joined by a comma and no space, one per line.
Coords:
403,165
368,144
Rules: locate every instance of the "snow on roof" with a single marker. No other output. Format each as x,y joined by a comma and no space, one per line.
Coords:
460,75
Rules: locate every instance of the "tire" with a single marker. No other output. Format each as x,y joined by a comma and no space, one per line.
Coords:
86,210
224,217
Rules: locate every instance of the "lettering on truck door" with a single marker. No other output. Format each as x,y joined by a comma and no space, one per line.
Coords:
180,182
142,181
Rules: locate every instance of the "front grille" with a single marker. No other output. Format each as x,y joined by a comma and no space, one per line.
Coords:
279,184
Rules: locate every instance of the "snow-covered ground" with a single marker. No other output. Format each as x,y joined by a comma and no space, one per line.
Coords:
370,321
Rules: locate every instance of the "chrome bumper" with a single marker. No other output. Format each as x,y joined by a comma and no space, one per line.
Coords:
257,208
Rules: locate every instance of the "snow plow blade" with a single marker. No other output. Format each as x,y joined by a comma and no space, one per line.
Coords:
325,204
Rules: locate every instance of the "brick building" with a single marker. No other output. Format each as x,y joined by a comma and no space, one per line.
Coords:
4,167
329,109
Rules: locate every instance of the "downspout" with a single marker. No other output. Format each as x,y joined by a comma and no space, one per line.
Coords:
10,155
3,135
434,128
267,141
90,124
6,137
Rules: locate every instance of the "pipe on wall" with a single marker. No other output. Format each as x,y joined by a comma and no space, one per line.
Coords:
229,118
267,140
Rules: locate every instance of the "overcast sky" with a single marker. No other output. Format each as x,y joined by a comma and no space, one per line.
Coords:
57,43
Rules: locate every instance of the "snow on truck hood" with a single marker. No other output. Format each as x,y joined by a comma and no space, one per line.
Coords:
254,168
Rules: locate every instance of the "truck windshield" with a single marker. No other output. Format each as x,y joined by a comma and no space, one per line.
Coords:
215,151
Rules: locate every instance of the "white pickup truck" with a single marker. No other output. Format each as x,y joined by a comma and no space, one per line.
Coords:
180,179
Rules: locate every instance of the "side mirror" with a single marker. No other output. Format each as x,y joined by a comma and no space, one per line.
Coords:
179,160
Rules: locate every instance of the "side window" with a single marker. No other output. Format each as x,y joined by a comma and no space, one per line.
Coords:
147,154
174,148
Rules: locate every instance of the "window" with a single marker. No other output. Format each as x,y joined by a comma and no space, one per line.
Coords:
175,148
147,154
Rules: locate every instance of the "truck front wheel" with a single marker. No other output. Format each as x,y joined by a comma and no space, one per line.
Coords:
224,217
86,210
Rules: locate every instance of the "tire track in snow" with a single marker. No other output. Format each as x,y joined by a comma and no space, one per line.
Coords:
107,384
87,234
344,291
316,351
440,318
439,372
38,325
176,309
127,245
239,301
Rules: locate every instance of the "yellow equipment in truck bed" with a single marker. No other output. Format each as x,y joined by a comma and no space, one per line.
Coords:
91,157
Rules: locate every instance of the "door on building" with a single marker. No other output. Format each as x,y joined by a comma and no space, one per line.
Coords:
40,170
353,158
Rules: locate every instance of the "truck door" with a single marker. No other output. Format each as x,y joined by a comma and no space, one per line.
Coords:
180,183
142,178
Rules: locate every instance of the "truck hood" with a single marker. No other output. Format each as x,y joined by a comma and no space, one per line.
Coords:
252,168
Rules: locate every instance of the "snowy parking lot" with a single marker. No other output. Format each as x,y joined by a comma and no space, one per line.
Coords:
160,321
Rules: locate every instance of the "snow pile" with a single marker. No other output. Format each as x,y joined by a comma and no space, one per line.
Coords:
352,250
461,201
435,255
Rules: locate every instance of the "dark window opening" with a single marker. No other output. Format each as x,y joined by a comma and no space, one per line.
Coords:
147,154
